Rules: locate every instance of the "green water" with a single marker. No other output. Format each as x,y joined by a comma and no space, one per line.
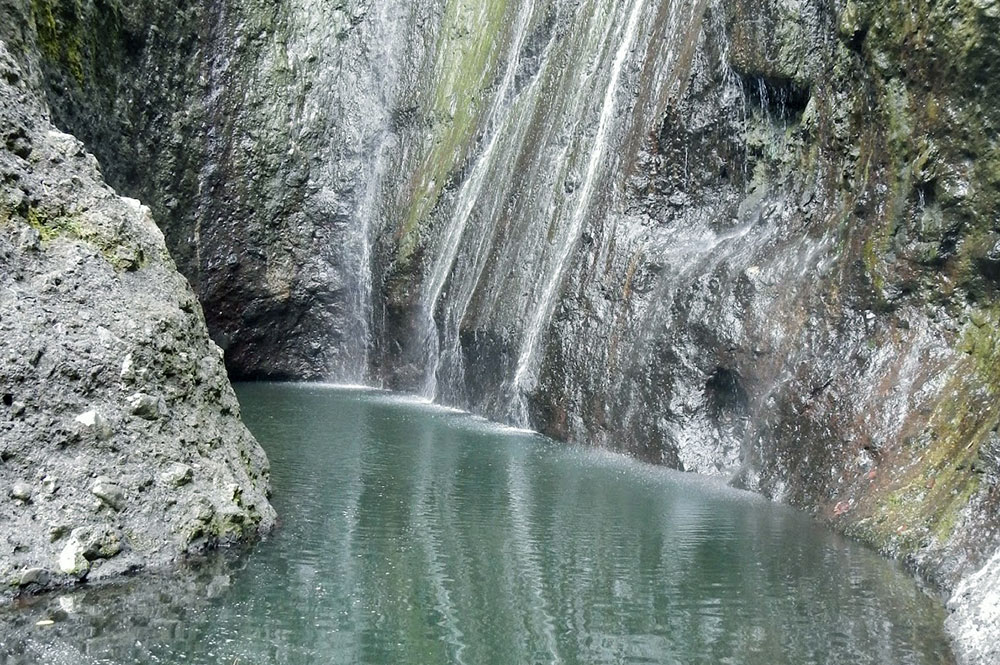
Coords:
416,535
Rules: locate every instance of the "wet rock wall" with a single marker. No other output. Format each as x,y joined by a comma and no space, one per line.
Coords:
741,237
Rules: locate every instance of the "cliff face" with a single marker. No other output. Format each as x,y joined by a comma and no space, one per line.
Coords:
751,237
250,129
121,446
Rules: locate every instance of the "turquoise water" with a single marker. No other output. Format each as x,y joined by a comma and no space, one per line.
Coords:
414,535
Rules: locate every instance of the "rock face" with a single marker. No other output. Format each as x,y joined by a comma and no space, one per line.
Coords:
975,608
121,446
755,238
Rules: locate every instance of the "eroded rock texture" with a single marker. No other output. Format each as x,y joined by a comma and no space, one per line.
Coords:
755,238
121,446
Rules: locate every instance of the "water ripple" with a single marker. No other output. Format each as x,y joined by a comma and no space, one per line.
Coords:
414,536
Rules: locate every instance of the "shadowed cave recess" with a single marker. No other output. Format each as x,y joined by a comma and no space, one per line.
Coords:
749,238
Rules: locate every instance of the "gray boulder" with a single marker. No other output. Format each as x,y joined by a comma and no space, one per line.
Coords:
108,377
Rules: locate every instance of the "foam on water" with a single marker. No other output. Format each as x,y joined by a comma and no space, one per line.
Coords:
465,419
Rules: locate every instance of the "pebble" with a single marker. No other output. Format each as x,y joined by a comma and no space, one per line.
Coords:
108,492
57,531
39,576
96,423
146,406
72,560
177,475
50,484
21,492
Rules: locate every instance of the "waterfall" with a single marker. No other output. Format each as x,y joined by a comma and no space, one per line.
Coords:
369,126
508,140
524,373
466,199
559,122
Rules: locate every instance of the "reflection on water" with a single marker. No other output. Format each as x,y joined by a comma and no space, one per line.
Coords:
415,535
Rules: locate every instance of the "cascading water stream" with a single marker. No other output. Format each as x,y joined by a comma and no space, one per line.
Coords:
385,24
694,253
524,373
467,198
362,300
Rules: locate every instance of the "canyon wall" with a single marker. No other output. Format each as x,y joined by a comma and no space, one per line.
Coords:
754,238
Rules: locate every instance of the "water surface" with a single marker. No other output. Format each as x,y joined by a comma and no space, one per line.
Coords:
415,535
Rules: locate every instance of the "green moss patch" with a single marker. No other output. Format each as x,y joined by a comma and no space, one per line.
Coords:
71,37
937,477
54,225
468,52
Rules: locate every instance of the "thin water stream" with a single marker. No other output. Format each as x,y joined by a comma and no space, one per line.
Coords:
415,534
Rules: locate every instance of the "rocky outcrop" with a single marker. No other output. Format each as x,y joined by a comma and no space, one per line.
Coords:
121,446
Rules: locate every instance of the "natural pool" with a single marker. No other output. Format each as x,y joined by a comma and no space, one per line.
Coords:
412,534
